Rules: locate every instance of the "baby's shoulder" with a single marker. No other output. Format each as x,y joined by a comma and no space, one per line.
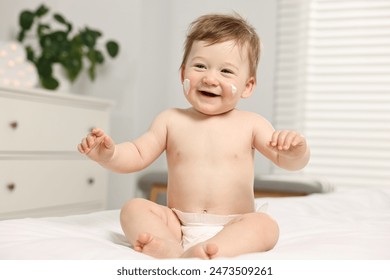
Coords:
253,121
250,117
172,112
171,115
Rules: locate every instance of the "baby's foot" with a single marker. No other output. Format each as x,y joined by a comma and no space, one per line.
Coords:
156,247
202,251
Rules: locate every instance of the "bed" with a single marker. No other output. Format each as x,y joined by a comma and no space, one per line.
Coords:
343,224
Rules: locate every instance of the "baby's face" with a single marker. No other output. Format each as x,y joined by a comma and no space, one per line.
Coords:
215,77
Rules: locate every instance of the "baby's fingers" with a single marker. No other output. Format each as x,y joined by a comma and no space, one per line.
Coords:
280,140
80,148
297,140
91,139
285,139
83,146
291,140
87,143
274,139
108,142
97,131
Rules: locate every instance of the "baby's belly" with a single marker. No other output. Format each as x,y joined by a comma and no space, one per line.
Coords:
223,196
220,185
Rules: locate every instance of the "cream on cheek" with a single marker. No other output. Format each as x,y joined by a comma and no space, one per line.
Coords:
186,86
234,89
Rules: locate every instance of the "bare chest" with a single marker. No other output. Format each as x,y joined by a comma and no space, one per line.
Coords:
212,140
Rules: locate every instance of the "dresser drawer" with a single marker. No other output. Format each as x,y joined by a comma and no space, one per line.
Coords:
32,126
34,184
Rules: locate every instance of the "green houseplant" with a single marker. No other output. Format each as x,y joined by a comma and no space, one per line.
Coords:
57,43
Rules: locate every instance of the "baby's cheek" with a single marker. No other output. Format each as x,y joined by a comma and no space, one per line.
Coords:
234,89
186,86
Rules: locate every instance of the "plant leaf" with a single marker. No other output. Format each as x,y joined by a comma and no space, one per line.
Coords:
94,32
42,10
60,18
30,54
88,38
99,57
95,56
44,67
49,82
92,72
112,48
21,35
26,20
41,29
73,67
69,27
59,36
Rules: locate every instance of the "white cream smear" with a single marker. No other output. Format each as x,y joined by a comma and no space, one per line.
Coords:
186,86
234,89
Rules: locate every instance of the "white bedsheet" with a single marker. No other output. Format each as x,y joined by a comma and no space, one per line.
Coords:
345,224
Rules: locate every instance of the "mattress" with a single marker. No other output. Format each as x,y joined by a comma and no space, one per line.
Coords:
351,223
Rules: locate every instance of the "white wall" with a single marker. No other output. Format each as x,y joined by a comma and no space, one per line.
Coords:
144,80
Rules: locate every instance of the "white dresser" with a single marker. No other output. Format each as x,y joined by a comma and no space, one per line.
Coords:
41,171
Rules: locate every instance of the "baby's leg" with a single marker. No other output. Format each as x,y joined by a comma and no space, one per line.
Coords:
151,228
252,232
202,251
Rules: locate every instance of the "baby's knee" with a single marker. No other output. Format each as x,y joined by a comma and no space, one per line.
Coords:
268,228
132,207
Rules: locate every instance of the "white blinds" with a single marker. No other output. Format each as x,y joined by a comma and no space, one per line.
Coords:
333,85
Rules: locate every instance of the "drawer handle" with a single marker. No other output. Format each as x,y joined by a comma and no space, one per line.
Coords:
14,125
11,187
91,181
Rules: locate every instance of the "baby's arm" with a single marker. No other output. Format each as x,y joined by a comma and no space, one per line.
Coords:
126,157
287,149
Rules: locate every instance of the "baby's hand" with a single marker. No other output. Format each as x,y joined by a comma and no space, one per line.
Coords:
288,143
97,146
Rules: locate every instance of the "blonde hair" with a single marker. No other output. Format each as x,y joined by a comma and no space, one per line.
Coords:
218,28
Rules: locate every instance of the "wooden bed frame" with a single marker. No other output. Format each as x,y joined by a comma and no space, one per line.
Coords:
158,189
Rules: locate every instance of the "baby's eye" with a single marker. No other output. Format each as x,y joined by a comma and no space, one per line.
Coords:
200,66
227,71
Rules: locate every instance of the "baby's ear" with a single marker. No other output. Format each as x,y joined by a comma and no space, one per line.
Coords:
182,73
249,87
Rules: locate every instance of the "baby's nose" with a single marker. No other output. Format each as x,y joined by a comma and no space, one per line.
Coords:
210,79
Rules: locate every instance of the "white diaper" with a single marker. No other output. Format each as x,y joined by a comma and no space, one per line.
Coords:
199,227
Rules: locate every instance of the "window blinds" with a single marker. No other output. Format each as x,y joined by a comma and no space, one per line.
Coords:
333,85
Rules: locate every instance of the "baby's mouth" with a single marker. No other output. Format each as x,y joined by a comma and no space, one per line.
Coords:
209,94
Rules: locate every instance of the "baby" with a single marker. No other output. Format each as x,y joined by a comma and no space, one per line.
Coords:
210,153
